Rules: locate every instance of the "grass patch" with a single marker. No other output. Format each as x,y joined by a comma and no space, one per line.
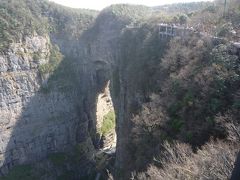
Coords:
109,123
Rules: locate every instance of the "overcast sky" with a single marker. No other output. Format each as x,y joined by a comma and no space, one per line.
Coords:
100,4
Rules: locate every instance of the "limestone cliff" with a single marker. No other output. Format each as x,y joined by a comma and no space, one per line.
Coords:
50,81
43,110
34,123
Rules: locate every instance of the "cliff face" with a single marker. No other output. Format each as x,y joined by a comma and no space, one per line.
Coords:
33,123
49,95
140,52
20,82
44,105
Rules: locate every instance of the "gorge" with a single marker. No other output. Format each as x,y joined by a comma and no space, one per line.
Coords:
75,82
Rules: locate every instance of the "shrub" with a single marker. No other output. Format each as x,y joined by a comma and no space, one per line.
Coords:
183,19
17,19
83,149
215,104
213,161
54,60
225,64
176,124
224,30
108,123
236,104
211,9
188,99
174,108
189,136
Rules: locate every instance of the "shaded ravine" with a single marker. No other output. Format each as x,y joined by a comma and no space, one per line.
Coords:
61,117
60,114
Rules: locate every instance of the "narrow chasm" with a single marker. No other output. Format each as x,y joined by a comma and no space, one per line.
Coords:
106,133
105,118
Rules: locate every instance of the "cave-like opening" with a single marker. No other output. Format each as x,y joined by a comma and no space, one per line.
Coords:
105,119
105,130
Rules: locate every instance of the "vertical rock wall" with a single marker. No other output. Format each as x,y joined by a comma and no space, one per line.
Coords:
35,123
32,123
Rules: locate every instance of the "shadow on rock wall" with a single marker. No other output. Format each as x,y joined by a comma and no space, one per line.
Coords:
54,119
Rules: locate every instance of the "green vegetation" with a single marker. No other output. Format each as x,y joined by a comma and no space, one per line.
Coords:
63,78
108,123
54,60
174,108
131,13
58,159
189,136
67,163
194,82
236,104
17,20
176,125
208,17
183,19
184,7
179,13
64,20
83,149
214,21
195,102
51,68
195,88
24,18
21,172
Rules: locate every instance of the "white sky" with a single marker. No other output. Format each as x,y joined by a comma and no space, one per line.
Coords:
100,4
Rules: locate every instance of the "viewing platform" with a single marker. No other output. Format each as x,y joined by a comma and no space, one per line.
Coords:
170,30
